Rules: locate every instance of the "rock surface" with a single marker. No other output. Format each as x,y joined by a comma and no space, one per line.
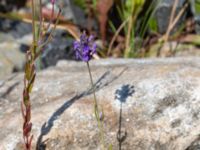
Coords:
158,101
194,4
59,48
70,11
163,14
11,59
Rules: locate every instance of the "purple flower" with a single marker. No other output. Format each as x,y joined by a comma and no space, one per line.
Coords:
85,48
53,1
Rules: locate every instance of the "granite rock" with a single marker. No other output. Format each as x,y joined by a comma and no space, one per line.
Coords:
59,48
11,59
194,4
153,104
163,14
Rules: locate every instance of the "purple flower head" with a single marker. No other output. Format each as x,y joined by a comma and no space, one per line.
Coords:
53,1
85,48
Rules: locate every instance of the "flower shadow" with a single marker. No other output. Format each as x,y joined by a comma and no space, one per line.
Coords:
121,95
102,82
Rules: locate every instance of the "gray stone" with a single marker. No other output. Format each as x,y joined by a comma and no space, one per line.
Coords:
163,14
196,13
11,59
158,101
15,28
70,11
59,48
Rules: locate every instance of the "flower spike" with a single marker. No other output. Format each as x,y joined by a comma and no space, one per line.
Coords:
85,48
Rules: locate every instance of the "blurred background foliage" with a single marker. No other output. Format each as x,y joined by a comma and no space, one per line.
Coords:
142,28
123,28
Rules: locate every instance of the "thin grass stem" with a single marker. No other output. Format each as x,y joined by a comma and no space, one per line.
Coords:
96,109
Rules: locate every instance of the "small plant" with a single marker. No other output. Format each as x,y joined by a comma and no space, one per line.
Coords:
84,50
39,41
132,9
128,13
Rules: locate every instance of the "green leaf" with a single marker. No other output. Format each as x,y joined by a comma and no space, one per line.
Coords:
112,26
30,86
28,70
26,97
110,147
80,3
153,24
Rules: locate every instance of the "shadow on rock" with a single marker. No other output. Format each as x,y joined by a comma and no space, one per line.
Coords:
121,95
9,90
99,84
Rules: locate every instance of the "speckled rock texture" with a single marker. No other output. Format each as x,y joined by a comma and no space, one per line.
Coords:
148,104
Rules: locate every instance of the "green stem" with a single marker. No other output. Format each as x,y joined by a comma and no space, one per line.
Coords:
33,50
33,20
40,18
96,109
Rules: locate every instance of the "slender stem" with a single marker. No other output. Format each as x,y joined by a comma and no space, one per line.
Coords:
29,77
33,50
116,34
127,43
33,20
30,74
91,80
40,17
96,109
52,12
120,126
